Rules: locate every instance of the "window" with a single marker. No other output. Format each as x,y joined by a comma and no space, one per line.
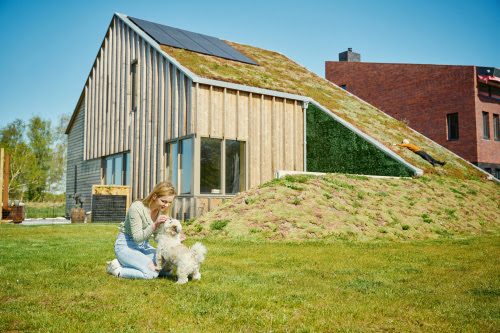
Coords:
173,163
343,86
235,166
216,153
486,126
133,78
452,122
488,170
117,170
496,127
210,166
180,165
497,173
186,165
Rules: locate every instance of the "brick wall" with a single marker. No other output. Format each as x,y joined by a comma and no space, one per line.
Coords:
422,95
488,150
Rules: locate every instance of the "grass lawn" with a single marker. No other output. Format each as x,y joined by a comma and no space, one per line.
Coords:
45,209
53,280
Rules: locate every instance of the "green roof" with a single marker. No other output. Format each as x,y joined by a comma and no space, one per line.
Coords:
277,72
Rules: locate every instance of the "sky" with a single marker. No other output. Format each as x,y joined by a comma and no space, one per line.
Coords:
48,47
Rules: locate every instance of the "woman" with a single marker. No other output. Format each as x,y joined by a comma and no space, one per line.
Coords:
135,256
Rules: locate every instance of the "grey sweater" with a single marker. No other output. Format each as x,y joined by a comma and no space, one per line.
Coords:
138,222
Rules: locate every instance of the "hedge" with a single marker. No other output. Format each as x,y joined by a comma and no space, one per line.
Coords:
332,147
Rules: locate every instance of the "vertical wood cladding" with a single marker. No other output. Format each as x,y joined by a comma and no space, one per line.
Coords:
271,127
80,174
163,113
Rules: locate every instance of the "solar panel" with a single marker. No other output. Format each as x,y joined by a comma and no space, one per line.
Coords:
191,41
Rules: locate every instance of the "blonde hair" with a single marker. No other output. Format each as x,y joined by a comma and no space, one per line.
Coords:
160,190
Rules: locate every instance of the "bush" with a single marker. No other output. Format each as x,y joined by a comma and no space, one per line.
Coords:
218,224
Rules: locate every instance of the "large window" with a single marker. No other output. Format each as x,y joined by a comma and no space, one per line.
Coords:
235,170
216,153
452,122
117,169
486,125
186,165
210,166
180,165
496,127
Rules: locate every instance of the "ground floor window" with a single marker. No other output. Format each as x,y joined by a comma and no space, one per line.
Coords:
210,165
235,166
180,164
216,153
117,169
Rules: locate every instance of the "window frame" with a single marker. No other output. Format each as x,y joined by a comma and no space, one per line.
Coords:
134,73
496,127
168,166
124,177
222,175
486,125
450,118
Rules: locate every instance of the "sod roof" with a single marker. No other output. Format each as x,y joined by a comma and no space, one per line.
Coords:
277,72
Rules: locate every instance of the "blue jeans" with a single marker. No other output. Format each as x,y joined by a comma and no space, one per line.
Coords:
135,258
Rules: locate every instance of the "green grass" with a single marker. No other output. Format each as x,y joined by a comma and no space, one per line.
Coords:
45,209
53,280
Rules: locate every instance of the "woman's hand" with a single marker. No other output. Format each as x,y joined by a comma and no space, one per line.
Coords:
161,219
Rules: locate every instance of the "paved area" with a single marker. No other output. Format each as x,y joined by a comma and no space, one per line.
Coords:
57,220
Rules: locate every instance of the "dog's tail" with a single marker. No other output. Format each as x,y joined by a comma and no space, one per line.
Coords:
199,251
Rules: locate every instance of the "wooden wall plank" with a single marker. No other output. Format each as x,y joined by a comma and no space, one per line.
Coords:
181,117
243,108
203,110
266,139
216,112
230,107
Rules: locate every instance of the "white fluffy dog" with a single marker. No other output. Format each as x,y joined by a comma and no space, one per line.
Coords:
171,253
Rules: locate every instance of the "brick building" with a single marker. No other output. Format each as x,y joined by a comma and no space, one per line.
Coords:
456,106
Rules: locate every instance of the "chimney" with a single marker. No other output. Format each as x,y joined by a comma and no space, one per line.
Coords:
349,56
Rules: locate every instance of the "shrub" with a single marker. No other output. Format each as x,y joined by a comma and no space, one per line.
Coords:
218,224
405,227
426,218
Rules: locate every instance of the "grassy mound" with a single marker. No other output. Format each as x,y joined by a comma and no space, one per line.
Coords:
356,207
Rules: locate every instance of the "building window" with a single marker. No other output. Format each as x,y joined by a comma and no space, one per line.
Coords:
496,127
343,86
488,170
186,165
497,173
117,170
173,163
486,126
452,122
180,165
133,78
235,170
216,153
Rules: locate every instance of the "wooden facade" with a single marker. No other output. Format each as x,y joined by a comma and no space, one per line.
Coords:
170,105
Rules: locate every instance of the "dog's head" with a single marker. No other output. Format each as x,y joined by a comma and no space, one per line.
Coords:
173,227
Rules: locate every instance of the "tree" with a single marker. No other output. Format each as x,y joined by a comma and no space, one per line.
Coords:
57,167
23,171
40,140
38,157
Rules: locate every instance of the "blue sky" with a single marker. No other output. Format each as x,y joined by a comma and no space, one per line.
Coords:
48,47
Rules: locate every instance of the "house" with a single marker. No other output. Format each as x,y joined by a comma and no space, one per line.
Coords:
455,106
216,118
